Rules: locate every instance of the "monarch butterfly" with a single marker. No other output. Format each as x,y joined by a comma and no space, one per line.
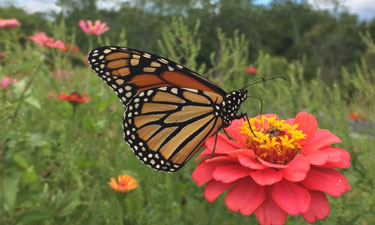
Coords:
169,110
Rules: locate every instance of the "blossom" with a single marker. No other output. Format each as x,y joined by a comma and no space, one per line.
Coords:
67,48
251,70
8,23
281,167
125,183
43,40
85,60
74,98
5,82
97,29
3,55
356,116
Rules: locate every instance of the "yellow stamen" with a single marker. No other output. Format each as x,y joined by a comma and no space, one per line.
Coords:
275,141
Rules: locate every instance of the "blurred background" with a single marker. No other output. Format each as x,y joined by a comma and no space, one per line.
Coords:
61,138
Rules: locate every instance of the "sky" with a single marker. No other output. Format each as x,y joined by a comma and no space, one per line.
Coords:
365,9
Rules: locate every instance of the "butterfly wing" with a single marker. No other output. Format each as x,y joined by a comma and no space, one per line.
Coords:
129,72
165,126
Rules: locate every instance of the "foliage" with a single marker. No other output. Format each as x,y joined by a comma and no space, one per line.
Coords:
56,159
284,28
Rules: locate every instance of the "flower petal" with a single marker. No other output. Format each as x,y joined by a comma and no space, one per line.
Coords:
268,164
317,157
249,162
297,168
338,158
307,123
230,173
319,207
269,213
330,181
214,188
223,146
290,121
203,172
291,197
267,177
246,196
321,139
234,132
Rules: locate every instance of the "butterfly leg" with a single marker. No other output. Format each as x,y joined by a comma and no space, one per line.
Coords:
217,133
229,137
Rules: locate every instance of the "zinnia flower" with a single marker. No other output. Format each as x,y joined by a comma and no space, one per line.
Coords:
125,183
287,167
67,48
74,98
356,116
5,82
43,40
97,29
251,70
8,23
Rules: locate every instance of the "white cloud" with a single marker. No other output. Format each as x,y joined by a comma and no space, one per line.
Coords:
35,5
365,9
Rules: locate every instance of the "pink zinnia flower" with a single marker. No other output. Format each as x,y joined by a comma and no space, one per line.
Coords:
5,82
8,23
43,40
251,70
287,168
97,29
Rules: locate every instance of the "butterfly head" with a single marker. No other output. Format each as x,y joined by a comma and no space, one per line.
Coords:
231,104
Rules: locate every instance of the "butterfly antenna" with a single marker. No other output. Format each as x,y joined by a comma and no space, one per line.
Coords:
262,79
260,113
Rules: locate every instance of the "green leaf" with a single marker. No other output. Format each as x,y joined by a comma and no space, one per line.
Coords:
19,87
29,176
26,66
31,100
10,189
20,159
35,216
72,202
35,140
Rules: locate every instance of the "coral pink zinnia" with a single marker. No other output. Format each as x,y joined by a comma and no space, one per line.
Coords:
287,167
8,23
6,81
97,29
43,40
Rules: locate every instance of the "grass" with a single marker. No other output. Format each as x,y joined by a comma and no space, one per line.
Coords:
56,159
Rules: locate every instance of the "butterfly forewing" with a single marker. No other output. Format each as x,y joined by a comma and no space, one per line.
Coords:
165,126
129,72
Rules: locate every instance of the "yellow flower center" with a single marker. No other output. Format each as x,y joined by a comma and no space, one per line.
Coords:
276,141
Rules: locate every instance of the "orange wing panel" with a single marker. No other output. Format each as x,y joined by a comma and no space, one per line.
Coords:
183,80
144,80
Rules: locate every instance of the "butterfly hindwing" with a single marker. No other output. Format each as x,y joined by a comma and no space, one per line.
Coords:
128,72
165,126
